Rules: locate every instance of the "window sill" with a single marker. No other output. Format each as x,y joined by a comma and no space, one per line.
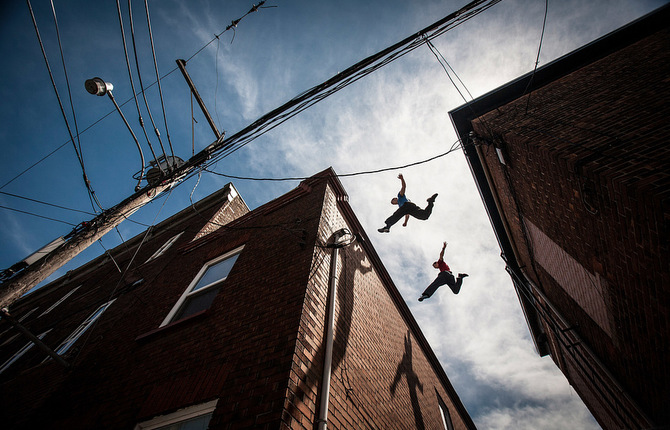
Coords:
169,327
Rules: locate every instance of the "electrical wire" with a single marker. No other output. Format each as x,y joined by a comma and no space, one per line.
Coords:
453,148
36,215
132,86
121,278
139,78
60,103
158,78
45,203
359,70
74,115
539,49
233,24
438,55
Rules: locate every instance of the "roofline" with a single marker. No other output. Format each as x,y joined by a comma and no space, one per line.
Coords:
217,197
364,241
568,63
462,116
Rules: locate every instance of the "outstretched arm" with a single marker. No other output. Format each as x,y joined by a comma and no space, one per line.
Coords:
402,188
406,219
442,252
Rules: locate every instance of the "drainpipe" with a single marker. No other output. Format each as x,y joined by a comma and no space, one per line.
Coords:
335,243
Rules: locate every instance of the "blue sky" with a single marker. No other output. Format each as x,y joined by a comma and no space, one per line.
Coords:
397,115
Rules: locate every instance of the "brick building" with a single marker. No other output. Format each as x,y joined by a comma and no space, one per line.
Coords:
573,165
218,316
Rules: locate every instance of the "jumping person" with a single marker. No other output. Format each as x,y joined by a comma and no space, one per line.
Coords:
444,277
406,208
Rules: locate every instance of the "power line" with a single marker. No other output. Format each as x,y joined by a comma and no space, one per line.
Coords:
440,59
455,146
45,203
539,49
254,8
359,70
158,78
74,115
134,97
60,103
33,165
139,78
233,25
36,215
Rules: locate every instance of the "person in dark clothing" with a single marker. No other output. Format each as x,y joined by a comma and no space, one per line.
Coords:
444,277
406,208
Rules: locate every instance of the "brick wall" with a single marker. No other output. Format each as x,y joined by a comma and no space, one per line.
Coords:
588,165
258,348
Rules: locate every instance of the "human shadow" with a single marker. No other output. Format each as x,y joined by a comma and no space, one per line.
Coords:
354,262
413,382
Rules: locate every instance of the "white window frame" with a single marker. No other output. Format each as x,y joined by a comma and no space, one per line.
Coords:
72,291
189,290
20,352
88,322
178,416
26,315
165,247
446,416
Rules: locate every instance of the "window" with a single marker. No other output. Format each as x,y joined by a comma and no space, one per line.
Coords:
204,287
60,301
70,340
444,413
165,247
192,418
20,353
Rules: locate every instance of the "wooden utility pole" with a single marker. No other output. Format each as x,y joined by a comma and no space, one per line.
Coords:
20,283
86,235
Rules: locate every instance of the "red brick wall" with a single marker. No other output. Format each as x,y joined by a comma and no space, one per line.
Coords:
588,165
258,348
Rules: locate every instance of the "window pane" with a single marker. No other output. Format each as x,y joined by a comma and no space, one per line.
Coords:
216,272
197,423
197,303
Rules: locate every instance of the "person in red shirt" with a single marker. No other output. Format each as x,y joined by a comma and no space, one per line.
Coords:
444,277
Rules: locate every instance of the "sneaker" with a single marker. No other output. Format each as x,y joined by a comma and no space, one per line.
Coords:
431,199
423,296
383,230
463,275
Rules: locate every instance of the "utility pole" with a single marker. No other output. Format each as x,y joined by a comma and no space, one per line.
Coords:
82,238
20,283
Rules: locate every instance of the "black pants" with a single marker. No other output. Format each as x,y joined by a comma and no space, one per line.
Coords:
444,278
409,208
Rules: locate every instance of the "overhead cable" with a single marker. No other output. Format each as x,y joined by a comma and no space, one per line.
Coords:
139,78
233,24
36,215
254,8
80,154
455,146
45,203
60,103
134,96
158,78
539,49
341,80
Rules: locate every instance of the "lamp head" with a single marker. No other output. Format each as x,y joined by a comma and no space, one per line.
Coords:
98,87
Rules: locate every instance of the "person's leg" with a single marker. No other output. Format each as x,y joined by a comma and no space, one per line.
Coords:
424,214
437,283
397,215
456,284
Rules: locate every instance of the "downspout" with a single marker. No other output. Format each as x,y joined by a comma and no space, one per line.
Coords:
335,244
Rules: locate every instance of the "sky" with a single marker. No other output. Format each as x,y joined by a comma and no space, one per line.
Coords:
393,117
